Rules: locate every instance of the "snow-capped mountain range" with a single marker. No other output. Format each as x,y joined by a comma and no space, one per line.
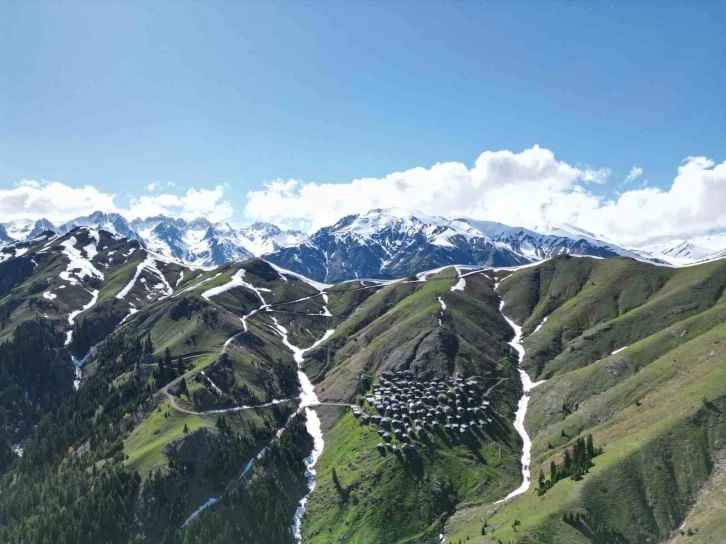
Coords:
386,243
393,243
684,252
197,242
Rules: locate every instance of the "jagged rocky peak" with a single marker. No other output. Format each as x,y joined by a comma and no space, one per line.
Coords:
260,229
682,251
41,226
380,219
25,229
260,237
200,223
384,242
111,222
4,236
395,242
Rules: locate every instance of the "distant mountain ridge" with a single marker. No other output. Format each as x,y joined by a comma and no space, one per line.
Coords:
394,243
197,242
383,243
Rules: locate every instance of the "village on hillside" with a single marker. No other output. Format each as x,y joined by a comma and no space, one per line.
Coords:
407,409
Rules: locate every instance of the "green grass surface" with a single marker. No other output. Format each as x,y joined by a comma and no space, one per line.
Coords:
143,447
398,497
656,407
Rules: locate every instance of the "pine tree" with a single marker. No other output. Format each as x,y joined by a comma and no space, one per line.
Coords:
567,464
590,447
180,365
222,425
579,462
542,485
186,429
553,473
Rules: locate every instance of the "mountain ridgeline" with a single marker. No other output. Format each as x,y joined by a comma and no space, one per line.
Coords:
145,400
383,244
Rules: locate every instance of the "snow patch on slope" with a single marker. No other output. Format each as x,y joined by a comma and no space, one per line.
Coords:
78,265
527,386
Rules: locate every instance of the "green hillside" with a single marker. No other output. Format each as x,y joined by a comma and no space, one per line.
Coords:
655,405
192,393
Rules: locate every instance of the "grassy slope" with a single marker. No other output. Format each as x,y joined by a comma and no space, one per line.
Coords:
257,359
706,520
397,497
654,406
398,327
392,498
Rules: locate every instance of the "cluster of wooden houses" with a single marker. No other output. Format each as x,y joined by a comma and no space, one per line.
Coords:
408,409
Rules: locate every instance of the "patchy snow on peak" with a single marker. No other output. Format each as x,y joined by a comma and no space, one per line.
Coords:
110,222
79,261
18,229
565,230
394,219
312,283
678,251
22,230
261,238
197,242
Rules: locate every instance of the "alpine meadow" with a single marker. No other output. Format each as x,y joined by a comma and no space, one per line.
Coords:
362,272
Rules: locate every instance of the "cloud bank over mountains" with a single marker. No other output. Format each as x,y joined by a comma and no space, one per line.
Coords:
59,202
512,188
516,188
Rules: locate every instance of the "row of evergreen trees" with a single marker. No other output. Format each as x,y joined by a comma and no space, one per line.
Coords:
169,369
34,378
576,462
66,495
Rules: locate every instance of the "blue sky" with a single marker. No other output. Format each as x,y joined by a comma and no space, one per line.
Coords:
119,95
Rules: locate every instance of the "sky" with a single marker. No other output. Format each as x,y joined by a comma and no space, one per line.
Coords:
611,116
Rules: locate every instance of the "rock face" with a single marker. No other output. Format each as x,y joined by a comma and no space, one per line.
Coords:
196,448
4,237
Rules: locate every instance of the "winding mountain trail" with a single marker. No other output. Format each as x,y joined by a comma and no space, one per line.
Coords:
527,386
307,398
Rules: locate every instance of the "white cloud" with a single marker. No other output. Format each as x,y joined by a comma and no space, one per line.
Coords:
635,173
207,203
513,188
502,186
52,200
692,205
155,185
59,202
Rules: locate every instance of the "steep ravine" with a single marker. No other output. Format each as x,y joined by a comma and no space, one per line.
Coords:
307,398
527,386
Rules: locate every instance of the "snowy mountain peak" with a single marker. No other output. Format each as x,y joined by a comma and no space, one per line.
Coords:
381,220
389,243
26,229
5,238
260,238
39,227
199,223
384,242
561,229
679,251
110,222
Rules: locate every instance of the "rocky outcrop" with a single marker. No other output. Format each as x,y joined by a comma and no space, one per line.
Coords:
196,448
